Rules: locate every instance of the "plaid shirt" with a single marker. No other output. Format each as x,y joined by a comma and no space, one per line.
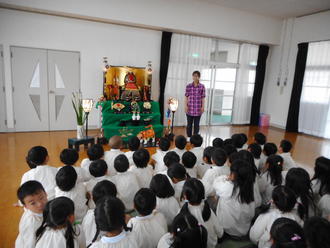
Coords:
195,96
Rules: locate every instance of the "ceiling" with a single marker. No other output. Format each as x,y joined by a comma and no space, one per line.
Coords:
276,8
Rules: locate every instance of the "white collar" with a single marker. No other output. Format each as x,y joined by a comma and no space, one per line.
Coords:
115,239
114,150
144,217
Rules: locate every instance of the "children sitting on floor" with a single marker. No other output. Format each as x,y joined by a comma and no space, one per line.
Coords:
126,181
115,144
255,149
207,162
34,198
157,158
69,157
269,149
94,152
133,145
284,150
37,159
149,225
180,145
196,142
189,162
67,185
141,168
178,176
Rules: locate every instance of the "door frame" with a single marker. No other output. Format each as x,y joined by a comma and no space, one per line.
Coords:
11,71
3,102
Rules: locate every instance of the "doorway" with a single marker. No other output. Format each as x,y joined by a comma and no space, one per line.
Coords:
43,81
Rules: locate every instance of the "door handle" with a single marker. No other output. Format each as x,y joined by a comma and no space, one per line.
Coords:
51,92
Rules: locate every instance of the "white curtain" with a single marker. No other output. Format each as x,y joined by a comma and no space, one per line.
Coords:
245,84
314,112
188,53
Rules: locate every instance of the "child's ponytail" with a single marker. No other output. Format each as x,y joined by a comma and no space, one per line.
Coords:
69,235
206,213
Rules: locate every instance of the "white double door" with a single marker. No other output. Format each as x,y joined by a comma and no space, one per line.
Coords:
43,82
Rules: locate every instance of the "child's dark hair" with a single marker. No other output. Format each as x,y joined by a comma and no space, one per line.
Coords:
145,201
187,232
238,140
229,149
180,142
219,156
95,152
260,138
228,141
298,180
245,138
66,178
248,157
284,198
196,140
275,167
164,144
287,233
56,215
121,163
207,154
134,143
232,157
317,231
243,181
36,156
286,145
177,171
193,191
69,156
171,158
98,168
102,189
141,158
270,149
109,216
161,186
29,188
197,73
217,143
322,173
189,159
255,149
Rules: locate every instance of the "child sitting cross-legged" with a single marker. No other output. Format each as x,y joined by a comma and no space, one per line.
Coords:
141,168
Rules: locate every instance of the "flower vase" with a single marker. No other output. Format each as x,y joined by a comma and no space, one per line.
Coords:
80,131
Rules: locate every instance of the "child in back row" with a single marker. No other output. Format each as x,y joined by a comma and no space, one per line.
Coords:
57,229
125,181
102,189
149,226
115,144
269,149
180,145
260,139
141,168
284,150
133,145
207,162
110,220
238,141
34,199
169,159
196,142
165,200
193,193
37,158
157,158
69,157
189,162
94,152
255,150
67,185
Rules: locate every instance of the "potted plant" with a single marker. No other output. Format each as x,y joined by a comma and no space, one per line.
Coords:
80,114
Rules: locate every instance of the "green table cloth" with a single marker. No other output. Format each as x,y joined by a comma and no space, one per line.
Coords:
111,120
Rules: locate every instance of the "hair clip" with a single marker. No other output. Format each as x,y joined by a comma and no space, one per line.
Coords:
295,237
178,229
185,200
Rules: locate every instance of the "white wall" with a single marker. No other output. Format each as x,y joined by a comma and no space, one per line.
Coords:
276,99
202,17
122,45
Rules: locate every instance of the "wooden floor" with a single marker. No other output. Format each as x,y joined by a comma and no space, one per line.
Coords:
14,147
